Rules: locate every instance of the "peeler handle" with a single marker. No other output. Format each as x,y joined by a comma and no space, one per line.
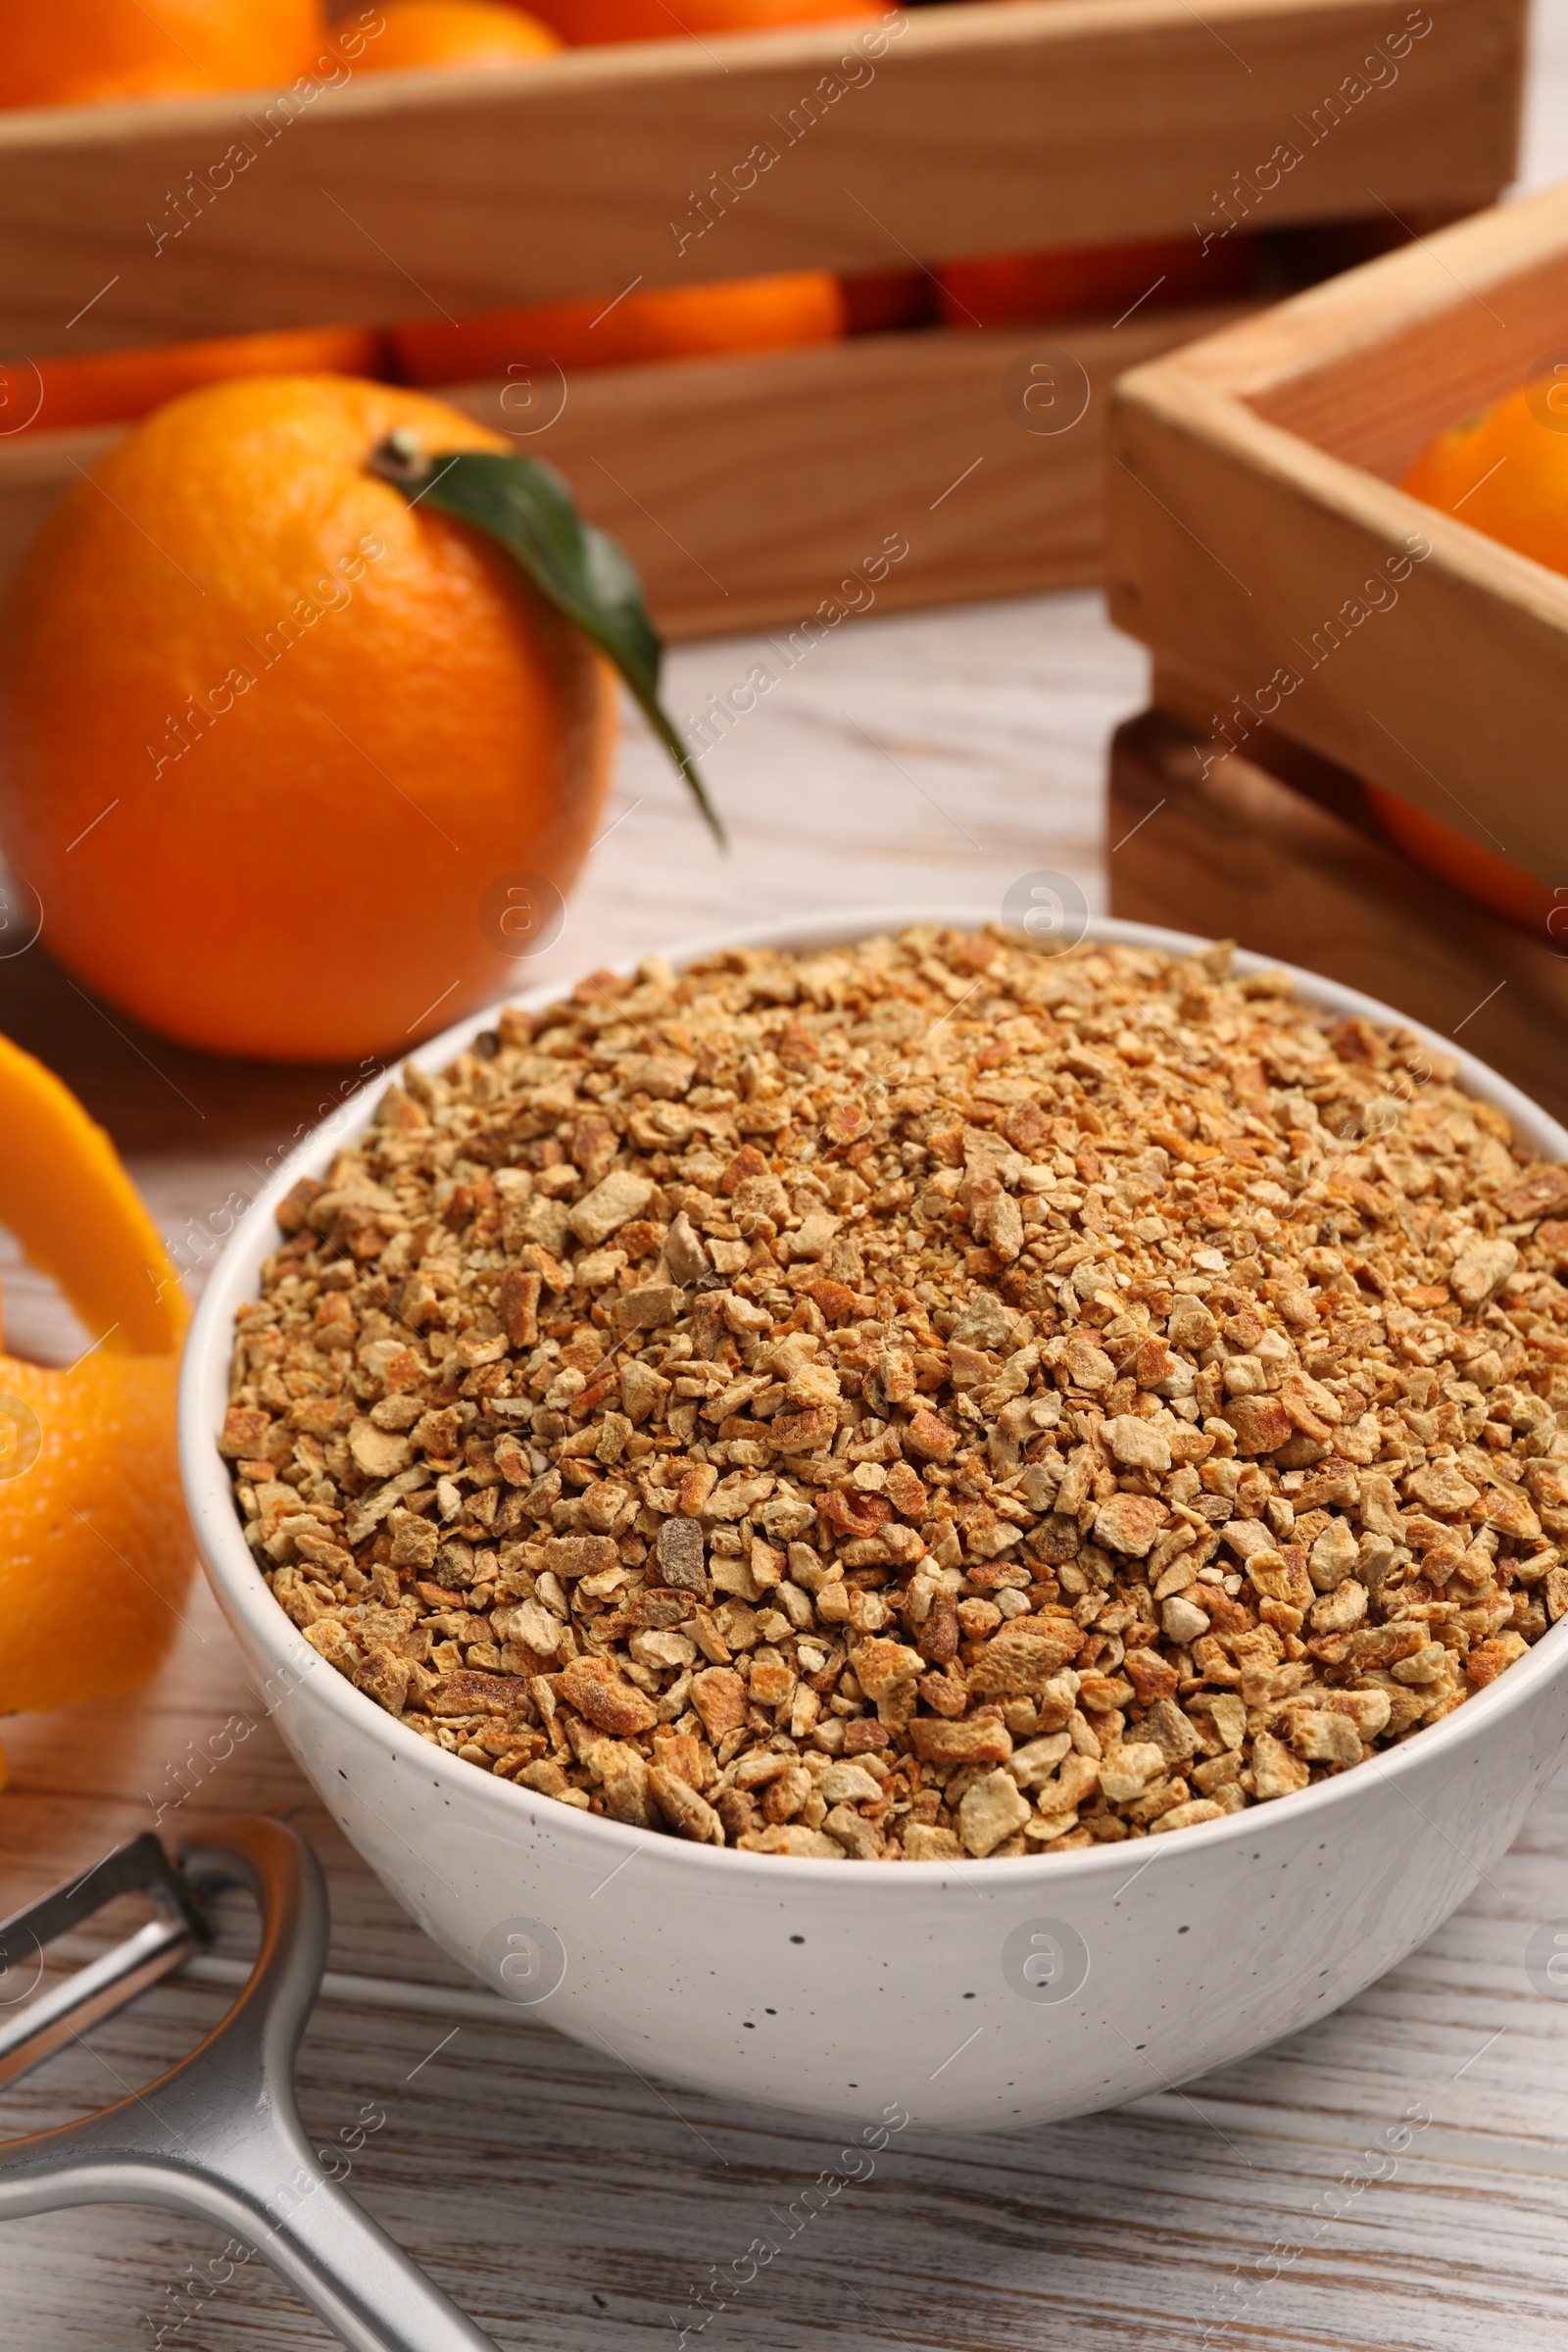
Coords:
363,2285
355,2277
218,2135
268,2191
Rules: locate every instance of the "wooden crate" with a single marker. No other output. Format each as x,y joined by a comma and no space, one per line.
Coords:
1252,509
747,488
750,490
1282,850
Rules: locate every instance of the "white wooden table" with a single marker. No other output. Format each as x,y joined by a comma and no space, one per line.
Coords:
568,2202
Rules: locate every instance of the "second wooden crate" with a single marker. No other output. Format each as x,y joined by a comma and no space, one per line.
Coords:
1262,549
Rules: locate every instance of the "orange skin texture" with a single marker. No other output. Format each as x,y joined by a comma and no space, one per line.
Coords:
303,882
85,52
67,1197
95,1553
115,387
1504,472
1524,502
668,322
95,1549
585,22
455,32
1011,289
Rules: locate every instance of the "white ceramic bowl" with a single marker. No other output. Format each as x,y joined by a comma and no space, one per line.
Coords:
998,1993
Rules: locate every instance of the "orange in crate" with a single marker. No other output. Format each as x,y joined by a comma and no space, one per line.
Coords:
85,52
1013,290
1483,874
115,387
455,32
667,323
584,22
1503,472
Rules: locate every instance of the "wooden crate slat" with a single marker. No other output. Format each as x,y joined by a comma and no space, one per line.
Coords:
780,475
1368,367
747,489
985,128
1236,540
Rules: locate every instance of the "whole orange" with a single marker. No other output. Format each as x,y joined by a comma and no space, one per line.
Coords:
274,738
93,1530
667,323
1503,472
1013,290
81,52
455,32
586,22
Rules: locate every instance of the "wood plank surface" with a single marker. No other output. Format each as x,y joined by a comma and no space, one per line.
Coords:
1013,123
1256,562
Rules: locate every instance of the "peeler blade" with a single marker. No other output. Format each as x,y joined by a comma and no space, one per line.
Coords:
216,2135
108,1983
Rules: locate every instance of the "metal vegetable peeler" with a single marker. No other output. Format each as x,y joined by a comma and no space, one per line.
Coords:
218,2135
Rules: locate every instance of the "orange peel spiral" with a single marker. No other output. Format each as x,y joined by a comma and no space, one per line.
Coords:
95,1550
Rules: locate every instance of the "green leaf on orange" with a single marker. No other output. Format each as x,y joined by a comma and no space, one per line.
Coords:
527,508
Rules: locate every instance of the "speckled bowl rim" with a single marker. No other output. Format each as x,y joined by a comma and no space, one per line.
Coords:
242,1593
